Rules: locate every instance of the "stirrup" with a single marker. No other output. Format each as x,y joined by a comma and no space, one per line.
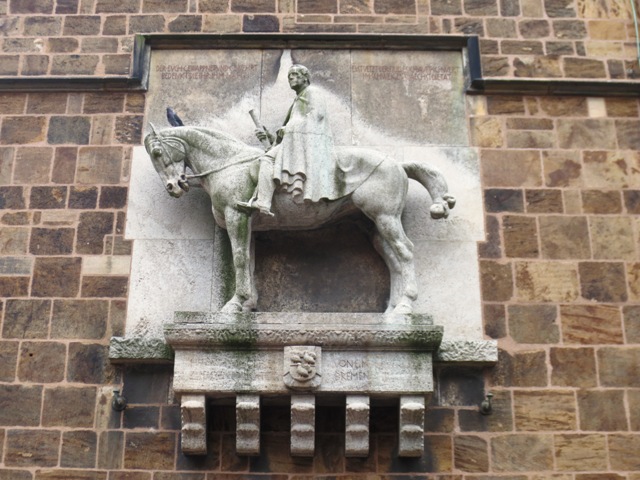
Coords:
250,206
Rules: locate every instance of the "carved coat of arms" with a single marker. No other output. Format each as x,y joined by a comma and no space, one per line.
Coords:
302,367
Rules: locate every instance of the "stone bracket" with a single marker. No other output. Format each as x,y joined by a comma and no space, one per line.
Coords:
303,425
194,424
357,426
411,429
248,424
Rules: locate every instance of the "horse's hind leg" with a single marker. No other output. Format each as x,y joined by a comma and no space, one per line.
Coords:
395,274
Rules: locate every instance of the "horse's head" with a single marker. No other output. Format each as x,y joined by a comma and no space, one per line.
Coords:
168,155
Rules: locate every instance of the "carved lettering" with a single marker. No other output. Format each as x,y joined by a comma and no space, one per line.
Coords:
389,72
351,370
203,72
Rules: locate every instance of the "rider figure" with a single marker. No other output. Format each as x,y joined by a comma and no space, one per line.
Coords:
300,156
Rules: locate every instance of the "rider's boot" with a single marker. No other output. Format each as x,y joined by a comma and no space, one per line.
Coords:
261,200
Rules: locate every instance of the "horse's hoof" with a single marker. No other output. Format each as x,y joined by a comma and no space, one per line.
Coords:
232,307
403,309
450,199
438,211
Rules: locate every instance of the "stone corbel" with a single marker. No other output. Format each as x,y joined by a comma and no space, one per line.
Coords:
411,431
194,424
248,424
357,426
303,425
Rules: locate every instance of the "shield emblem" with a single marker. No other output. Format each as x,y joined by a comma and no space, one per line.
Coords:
302,367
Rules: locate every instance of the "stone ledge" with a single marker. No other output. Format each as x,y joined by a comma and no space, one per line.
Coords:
140,350
473,352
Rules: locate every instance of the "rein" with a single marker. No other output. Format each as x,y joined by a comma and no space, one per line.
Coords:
163,143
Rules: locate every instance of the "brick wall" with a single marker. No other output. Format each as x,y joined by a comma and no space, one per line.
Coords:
560,267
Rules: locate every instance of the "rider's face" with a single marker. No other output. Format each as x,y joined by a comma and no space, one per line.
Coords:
296,79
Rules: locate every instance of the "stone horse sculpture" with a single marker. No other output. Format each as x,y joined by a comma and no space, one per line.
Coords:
227,169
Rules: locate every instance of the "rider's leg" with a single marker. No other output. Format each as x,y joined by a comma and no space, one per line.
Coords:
261,199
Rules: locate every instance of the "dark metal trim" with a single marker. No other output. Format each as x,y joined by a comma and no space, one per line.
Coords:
477,85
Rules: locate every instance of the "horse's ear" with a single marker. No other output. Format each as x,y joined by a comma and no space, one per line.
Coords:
153,129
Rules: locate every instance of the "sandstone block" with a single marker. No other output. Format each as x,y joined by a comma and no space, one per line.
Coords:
72,129
92,229
164,6
598,201
580,452
64,165
79,319
260,23
496,281
56,277
470,453
75,64
111,449
546,282
32,448
48,197
117,6
618,367
22,130
627,133
88,363
51,241
622,450
573,367
633,397
115,24
498,200
522,369
501,168
603,281
81,25
47,103
584,68
632,323
213,6
586,134
186,23
26,319
612,238
520,236
545,410
602,410
20,405
149,450
85,198
63,45
69,407
501,420
534,28
533,323
500,105
486,132
67,7
544,201
564,106
13,240
521,47
621,107
522,453
609,170
78,449
146,23
564,237
493,66
104,286
491,247
530,139
14,286
495,320
12,198
41,362
8,361
559,8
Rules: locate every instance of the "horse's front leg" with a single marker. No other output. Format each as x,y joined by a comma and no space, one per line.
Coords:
239,230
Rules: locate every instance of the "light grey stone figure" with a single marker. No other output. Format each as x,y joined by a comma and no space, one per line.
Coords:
299,158
332,181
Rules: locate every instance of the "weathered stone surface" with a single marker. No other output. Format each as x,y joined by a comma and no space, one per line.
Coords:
632,323
621,451
64,165
88,363
128,129
260,23
467,351
48,197
503,200
149,450
533,323
104,286
51,241
110,450
544,201
584,68
20,405
63,45
35,65
599,202
12,198
42,362
446,7
602,410
78,449
573,367
491,247
501,420
563,237
501,28
470,453
603,281
573,29
56,277
84,198
72,129
522,369
619,367
546,410
14,286
26,319
530,139
79,319
534,28
521,47
116,6
586,134
620,107
559,8
562,168
546,282
486,132
564,106
493,66
520,236
213,6
69,407
612,238
99,165
591,324
522,453
92,229
496,280
580,452
537,66
146,23
22,130
81,25
32,448
8,361
510,168
74,64
495,321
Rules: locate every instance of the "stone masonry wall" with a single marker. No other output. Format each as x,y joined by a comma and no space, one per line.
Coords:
560,267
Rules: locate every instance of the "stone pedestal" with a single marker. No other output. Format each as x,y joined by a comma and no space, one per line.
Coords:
306,356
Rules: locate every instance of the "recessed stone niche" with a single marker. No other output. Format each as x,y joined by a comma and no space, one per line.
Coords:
319,332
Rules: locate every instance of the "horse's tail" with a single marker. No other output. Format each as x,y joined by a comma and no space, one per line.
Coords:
436,185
